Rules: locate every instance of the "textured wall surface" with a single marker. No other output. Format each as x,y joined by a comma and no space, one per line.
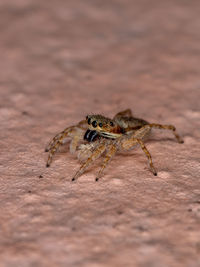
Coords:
61,60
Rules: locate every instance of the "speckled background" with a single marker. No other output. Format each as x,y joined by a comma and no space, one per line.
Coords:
61,60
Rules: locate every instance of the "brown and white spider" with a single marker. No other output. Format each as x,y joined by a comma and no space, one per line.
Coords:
97,135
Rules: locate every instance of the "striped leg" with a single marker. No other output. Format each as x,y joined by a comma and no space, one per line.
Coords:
148,156
110,153
75,132
64,134
166,127
128,143
95,155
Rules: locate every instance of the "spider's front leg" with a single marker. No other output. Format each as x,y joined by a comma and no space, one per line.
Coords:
95,155
75,132
111,150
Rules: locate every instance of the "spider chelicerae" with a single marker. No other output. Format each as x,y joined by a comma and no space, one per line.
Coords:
97,135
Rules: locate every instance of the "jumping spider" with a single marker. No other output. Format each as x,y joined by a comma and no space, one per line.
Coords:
98,134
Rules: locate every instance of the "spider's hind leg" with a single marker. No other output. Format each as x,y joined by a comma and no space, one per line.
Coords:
167,127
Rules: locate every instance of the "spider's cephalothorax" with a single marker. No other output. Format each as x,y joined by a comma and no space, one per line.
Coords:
114,128
97,135
104,126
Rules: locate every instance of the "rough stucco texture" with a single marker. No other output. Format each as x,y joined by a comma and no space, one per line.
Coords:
61,60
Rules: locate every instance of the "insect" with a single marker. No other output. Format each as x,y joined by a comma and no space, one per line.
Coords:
97,135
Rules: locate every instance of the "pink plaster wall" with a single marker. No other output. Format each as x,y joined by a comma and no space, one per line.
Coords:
61,60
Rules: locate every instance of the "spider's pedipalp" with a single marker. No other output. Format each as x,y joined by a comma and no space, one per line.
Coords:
86,150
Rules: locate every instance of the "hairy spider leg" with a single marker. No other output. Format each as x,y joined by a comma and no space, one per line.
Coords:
110,153
143,132
166,127
56,143
56,139
95,155
64,134
128,143
76,133
147,153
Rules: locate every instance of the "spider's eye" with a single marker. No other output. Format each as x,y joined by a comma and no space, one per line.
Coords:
111,123
94,124
100,125
89,121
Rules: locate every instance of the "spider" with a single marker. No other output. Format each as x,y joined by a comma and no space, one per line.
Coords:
97,135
